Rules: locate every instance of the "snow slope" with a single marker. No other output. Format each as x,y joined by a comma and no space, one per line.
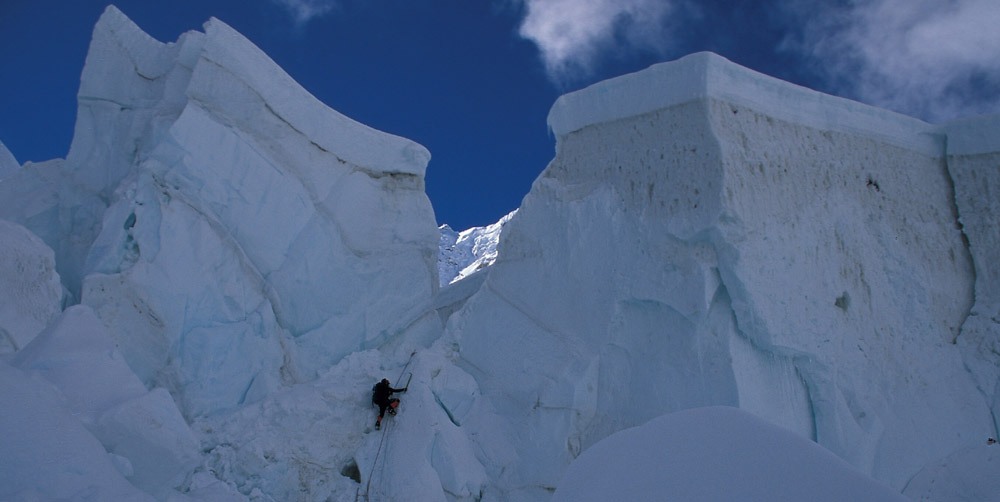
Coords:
243,263
710,454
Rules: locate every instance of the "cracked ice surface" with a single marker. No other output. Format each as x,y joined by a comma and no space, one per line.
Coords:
240,231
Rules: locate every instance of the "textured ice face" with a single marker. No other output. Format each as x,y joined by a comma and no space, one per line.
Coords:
30,292
225,219
708,235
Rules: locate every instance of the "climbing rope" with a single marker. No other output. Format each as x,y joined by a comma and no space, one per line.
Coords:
381,441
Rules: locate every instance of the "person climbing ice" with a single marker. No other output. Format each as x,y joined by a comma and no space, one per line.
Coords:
382,396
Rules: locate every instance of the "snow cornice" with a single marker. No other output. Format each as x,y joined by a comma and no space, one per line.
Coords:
705,75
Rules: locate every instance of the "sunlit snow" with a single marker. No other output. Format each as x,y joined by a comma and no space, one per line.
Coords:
723,286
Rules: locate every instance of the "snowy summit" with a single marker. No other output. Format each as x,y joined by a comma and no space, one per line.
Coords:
723,286
469,251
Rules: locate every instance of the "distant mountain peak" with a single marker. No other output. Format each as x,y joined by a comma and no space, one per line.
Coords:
461,254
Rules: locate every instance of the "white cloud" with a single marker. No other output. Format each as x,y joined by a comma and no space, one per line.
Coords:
573,35
935,59
304,11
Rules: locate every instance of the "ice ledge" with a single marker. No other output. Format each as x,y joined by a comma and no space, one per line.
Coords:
706,75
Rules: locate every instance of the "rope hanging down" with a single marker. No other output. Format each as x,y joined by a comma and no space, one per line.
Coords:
358,496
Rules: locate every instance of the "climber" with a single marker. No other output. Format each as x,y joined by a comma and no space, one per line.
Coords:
381,393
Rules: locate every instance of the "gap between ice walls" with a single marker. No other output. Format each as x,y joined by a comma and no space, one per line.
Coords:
705,235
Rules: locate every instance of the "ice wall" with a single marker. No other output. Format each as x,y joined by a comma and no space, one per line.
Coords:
709,235
974,164
231,230
30,292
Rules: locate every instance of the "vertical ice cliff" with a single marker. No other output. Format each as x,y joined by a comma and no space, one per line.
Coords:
709,235
233,230
974,164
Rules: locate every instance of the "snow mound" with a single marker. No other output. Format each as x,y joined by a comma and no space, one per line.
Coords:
710,454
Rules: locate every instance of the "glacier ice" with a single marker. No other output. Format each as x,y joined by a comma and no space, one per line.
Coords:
31,294
974,165
710,244
143,429
47,452
242,233
247,262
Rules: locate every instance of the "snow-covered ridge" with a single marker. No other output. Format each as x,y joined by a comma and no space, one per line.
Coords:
464,253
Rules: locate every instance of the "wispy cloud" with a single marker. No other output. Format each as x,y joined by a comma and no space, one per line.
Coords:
574,35
303,11
934,59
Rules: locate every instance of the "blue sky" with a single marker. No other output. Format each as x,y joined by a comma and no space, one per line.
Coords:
473,80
